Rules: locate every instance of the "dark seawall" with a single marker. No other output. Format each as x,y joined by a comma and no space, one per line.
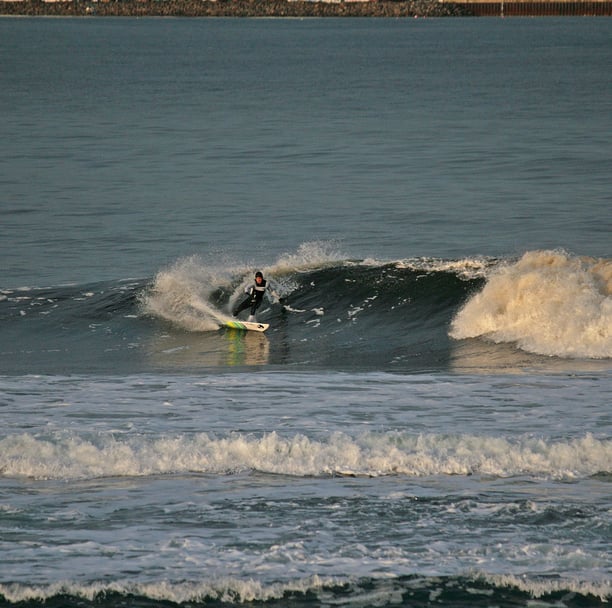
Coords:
596,8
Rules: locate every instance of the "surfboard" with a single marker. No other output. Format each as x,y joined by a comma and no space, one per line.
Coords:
247,326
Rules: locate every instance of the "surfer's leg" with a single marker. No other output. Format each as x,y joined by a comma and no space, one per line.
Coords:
254,306
242,306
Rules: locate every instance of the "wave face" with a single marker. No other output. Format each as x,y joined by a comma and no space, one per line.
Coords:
337,313
407,313
546,309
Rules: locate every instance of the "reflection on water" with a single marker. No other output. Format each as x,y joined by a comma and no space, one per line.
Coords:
234,348
479,356
209,349
247,347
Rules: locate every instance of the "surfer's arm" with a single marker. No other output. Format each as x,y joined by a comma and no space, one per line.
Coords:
274,295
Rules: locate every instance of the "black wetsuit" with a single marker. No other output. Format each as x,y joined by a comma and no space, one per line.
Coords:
254,299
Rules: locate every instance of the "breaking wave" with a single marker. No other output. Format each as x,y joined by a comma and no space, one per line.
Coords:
546,309
548,303
473,590
69,457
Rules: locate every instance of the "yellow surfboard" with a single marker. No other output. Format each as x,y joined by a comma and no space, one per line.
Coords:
247,325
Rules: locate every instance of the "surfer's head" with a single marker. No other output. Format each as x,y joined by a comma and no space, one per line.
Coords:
258,275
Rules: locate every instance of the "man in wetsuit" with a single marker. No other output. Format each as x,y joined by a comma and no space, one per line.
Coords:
256,293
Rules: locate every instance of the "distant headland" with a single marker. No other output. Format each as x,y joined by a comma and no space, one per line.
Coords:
302,8
230,8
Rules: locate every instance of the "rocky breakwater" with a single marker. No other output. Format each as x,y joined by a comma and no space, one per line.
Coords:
229,8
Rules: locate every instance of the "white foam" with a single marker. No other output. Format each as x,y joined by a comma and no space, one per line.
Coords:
67,456
234,590
466,268
222,589
546,586
549,303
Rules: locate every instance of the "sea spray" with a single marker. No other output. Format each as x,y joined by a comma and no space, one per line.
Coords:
180,294
198,295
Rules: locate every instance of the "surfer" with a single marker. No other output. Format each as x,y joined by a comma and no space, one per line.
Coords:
255,296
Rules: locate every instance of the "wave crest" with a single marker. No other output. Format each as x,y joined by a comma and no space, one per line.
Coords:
474,589
393,453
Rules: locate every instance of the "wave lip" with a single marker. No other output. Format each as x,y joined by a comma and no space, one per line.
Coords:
547,303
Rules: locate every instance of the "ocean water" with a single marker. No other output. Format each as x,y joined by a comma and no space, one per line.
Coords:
428,419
